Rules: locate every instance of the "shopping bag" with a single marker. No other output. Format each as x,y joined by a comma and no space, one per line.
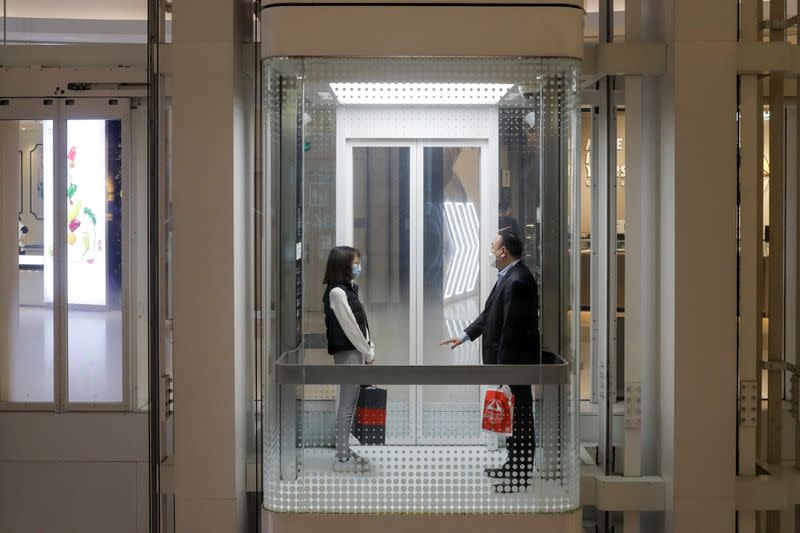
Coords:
498,410
369,426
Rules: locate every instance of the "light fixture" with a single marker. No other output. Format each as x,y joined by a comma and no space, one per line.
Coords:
463,227
420,93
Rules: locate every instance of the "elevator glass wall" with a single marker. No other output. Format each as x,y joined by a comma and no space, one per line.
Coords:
415,162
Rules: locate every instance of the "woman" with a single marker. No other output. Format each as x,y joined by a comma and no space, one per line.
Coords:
347,331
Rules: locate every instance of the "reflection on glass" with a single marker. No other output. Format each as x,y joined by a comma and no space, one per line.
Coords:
26,317
585,254
620,247
381,232
451,288
94,266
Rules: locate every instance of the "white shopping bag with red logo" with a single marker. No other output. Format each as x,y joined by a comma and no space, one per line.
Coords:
498,410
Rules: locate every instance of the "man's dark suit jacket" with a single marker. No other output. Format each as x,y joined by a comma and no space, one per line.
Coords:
510,322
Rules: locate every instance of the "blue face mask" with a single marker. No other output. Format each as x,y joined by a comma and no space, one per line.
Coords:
356,271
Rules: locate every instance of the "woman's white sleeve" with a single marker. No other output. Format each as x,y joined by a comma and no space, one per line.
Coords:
347,320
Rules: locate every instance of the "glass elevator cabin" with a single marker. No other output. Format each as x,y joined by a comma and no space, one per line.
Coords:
417,161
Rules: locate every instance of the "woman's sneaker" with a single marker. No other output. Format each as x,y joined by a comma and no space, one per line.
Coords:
352,463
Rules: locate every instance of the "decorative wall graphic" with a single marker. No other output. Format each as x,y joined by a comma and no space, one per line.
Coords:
463,228
36,182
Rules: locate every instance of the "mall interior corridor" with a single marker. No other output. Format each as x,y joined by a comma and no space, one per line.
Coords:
431,266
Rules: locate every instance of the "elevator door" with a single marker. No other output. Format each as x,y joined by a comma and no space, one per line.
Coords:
449,267
416,216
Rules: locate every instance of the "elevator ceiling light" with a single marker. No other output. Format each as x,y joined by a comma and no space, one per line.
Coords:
420,93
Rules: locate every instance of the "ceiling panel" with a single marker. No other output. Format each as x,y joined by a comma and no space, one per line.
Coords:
78,9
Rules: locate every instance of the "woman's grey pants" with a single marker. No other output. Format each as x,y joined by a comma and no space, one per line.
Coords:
348,398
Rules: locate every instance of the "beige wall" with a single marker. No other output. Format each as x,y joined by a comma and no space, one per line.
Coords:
73,472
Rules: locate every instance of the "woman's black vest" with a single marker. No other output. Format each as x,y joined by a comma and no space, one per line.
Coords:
337,340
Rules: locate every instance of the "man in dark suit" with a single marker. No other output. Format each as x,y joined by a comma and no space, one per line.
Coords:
509,327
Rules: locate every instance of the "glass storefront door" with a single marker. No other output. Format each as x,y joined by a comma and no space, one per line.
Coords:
65,275
27,357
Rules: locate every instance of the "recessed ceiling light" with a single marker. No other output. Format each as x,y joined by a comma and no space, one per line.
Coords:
420,93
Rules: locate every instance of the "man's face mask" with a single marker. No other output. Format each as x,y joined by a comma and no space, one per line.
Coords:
493,256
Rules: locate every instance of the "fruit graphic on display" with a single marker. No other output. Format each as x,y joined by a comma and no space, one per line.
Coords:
74,204
71,157
80,216
72,221
74,210
85,242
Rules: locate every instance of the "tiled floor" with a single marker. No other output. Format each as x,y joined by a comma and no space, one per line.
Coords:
94,356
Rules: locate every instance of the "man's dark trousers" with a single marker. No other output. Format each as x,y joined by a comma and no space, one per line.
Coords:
521,444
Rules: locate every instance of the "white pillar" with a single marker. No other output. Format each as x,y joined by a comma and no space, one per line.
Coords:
639,272
697,260
751,278
211,172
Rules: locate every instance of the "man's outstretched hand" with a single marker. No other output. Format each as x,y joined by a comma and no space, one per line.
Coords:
452,342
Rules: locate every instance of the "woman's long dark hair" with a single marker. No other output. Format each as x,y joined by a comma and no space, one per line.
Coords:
340,265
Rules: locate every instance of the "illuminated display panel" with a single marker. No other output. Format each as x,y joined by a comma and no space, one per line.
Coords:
86,214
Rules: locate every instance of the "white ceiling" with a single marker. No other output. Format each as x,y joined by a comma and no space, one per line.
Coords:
137,9
78,9
593,6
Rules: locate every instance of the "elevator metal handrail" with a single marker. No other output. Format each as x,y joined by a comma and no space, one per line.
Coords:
553,370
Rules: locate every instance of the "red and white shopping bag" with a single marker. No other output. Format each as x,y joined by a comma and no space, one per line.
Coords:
498,410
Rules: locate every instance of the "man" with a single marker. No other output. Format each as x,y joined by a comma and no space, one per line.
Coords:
506,222
509,325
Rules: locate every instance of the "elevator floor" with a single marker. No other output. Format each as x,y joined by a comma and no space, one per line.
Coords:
412,479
